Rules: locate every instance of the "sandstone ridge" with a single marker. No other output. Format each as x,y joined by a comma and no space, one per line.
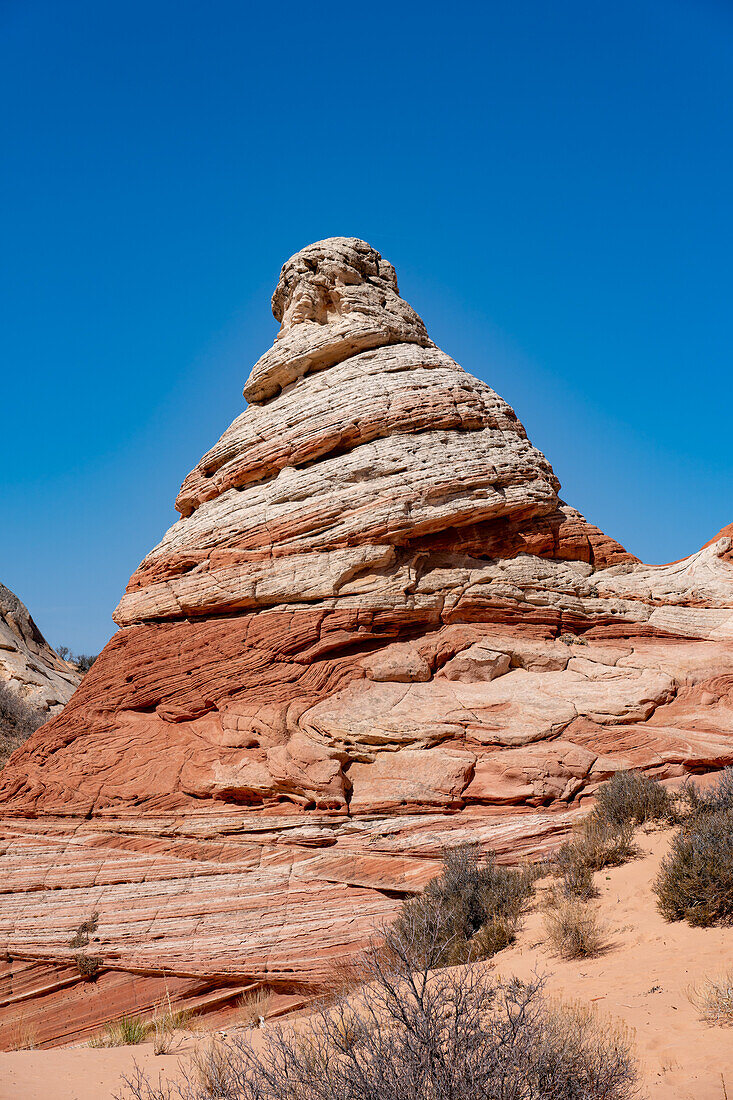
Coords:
31,673
375,630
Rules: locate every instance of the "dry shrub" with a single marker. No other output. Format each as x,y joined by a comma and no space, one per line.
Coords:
18,720
714,799
713,999
577,1024
211,1076
574,930
577,882
470,911
88,966
344,976
597,843
606,837
81,936
629,798
348,975
695,881
447,1034
253,1005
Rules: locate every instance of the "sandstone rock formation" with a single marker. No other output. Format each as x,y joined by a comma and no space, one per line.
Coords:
35,682
375,630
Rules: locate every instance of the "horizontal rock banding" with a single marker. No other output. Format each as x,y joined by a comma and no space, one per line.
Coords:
375,630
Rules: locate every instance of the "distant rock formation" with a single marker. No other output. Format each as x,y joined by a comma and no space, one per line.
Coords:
375,630
35,682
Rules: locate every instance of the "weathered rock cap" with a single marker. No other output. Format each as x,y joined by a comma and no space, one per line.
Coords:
324,264
344,288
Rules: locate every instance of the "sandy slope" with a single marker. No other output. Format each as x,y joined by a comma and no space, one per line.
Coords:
641,979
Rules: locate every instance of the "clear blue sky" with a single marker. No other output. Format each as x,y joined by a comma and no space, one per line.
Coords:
551,180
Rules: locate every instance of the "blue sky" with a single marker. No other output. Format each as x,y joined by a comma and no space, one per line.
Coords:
551,181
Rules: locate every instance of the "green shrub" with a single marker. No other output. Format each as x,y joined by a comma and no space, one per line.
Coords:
126,1032
469,911
633,799
695,881
82,661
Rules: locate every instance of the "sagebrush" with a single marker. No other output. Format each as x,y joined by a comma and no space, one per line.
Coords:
475,903
695,881
629,798
596,843
712,799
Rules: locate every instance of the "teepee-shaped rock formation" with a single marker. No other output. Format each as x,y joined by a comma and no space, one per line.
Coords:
359,563
375,629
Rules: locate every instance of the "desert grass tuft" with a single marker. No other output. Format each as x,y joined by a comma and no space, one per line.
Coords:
23,1037
713,999
165,1023
126,1032
574,930
253,1005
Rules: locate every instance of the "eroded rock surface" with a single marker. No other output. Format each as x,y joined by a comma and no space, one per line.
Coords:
375,631
35,683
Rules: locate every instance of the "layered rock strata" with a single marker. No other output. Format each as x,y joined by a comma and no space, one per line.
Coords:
35,683
376,630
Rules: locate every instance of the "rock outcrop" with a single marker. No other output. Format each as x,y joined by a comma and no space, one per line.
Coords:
35,683
375,630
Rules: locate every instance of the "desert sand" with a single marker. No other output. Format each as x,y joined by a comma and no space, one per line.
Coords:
641,980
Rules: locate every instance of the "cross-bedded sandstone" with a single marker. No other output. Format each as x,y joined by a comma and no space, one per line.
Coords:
376,630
